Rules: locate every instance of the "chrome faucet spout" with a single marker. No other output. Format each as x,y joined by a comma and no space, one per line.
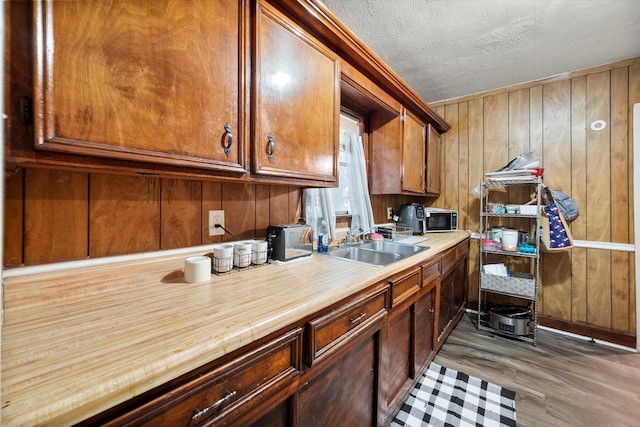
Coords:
350,238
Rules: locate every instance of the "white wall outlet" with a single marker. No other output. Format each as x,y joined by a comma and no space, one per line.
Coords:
389,212
216,217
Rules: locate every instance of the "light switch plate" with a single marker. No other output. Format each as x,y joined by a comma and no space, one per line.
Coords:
216,217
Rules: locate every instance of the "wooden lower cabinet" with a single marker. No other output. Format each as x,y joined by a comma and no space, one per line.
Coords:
399,352
347,391
342,386
353,364
452,289
280,416
425,317
233,393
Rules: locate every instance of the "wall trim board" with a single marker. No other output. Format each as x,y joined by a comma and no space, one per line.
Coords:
540,82
611,246
636,209
620,338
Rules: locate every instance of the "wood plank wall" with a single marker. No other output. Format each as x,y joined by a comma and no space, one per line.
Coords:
552,118
53,215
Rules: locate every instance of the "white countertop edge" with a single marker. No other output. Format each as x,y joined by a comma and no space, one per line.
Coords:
92,262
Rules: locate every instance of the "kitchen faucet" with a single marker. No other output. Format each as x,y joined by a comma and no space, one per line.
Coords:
349,238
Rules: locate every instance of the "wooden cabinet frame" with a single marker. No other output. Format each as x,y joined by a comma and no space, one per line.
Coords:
392,324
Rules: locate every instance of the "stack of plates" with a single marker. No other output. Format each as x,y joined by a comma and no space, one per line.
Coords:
513,174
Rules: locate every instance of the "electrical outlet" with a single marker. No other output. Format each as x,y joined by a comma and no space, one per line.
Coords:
389,212
216,217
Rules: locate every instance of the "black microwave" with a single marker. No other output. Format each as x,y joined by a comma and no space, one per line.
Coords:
439,220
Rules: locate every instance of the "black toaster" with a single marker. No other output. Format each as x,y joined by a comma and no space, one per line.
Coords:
289,241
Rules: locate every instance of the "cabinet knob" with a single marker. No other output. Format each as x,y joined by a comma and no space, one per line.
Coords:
271,146
227,139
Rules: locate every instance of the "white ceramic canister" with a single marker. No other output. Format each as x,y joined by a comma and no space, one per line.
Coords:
197,269
509,240
242,254
222,258
259,252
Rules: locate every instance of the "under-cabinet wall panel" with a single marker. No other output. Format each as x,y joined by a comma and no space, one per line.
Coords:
553,118
181,213
124,215
54,215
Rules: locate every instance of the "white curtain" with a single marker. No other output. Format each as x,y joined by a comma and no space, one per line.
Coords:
319,202
361,211
319,211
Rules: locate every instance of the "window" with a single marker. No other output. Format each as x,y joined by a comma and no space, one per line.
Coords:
341,195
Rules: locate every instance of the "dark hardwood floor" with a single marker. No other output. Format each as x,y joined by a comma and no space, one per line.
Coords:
563,381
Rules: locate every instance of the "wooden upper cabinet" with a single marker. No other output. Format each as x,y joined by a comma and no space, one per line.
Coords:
398,153
414,157
158,82
434,157
296,101
385,153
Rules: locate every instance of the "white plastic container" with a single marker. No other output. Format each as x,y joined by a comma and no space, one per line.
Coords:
529,210
510,240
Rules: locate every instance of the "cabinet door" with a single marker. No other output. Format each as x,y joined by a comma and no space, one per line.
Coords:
413,157
459,281
296,102
385,153
444,309
342,385
424,330
154,81
399,371
399,355
425,316
434,155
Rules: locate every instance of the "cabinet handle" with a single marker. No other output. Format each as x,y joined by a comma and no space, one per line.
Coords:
227,139
200,412
433,310
357,319
271,146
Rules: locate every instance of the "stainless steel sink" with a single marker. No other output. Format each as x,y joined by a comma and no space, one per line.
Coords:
376,254
404,249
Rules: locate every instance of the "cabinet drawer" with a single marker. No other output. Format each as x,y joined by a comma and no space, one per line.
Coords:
430,272
227,391
327,332
403,286
452,255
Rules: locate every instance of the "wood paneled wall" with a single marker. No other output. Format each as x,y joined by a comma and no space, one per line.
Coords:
553,119
53,215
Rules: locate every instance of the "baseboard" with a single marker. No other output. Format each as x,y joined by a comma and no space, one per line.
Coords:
590,331
582,329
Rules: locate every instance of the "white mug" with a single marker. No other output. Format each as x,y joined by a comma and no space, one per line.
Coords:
242,254
259,252
222,258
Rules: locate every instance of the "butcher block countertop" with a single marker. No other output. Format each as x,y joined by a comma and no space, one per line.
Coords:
78,341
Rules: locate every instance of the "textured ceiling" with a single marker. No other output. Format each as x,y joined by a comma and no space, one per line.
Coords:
449,48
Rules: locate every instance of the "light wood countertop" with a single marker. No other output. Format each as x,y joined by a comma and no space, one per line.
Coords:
77,342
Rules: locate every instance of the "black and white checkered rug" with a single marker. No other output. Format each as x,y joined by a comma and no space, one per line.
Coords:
446,398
